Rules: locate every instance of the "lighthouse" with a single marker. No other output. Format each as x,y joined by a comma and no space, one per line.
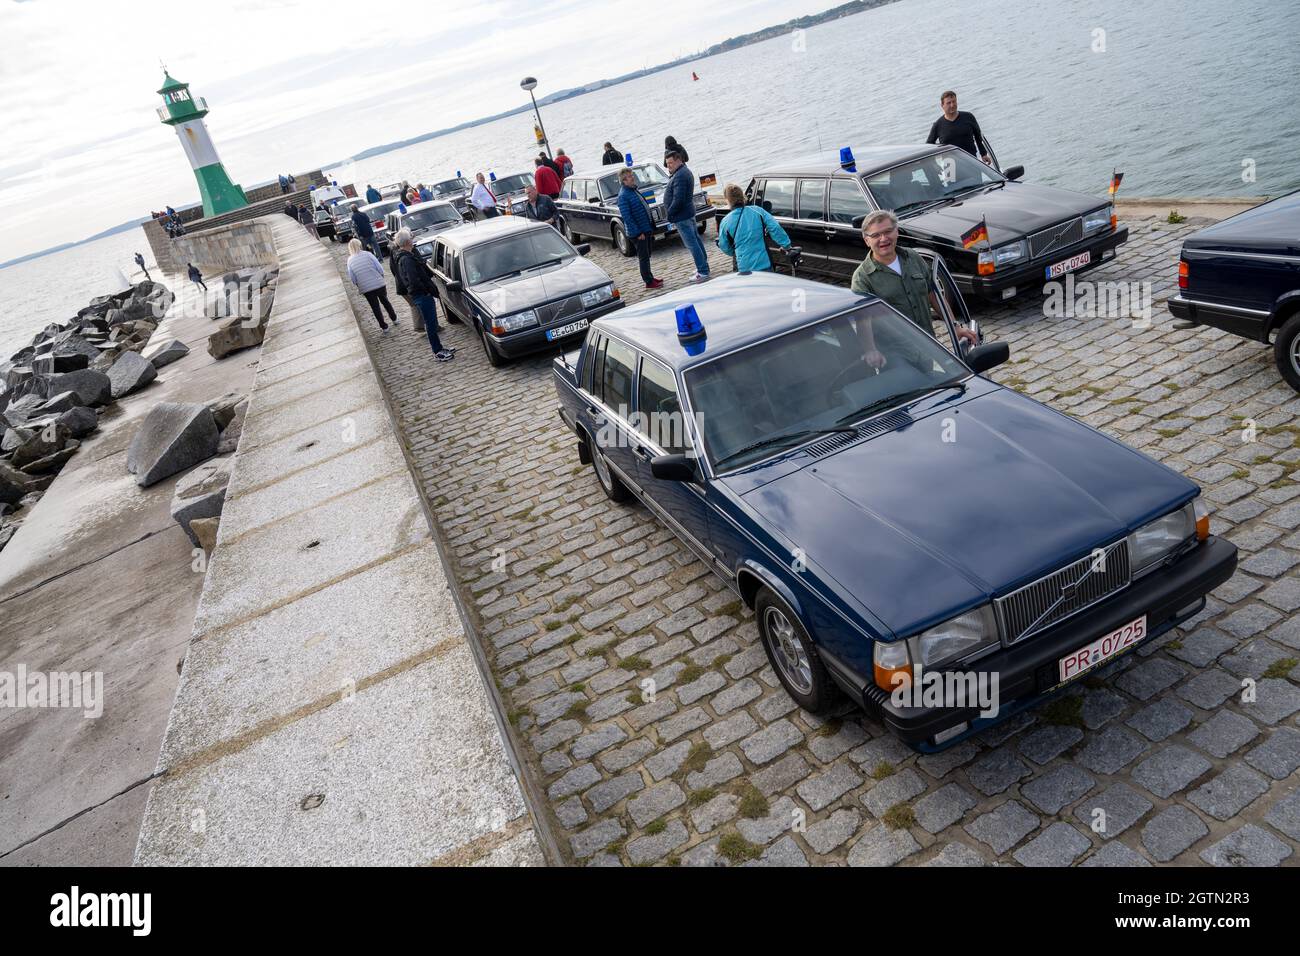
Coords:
184,113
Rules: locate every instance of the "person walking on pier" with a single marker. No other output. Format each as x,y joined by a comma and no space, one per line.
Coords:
743,234
139,261
372,194
566,165
368,276
284,184
417,317
679,209
195,276
483,199
955,128
640,227
611,156
362,229
419,286
308,220
671,145
548,184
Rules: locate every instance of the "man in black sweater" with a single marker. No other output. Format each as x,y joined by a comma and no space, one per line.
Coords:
955,128
415,279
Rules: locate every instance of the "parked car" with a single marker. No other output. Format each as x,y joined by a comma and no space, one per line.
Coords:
425,220
520,284
884,522
1242,275
377,212
589,204
324,223
1036,233
510,194
391,191
342,213
455,191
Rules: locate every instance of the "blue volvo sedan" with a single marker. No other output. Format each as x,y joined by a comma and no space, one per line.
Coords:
1242,275
883,508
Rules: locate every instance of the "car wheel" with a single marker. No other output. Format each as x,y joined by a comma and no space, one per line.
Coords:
1286,351
793,656
622,242
703,228
569,234
614,489
495,358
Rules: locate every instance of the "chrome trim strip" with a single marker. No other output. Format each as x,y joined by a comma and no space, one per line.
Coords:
1215,306
1265,256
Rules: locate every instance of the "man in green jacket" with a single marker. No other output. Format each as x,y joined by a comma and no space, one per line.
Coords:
897,275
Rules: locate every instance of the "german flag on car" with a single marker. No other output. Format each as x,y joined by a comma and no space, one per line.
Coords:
1115,179
975,235
709,179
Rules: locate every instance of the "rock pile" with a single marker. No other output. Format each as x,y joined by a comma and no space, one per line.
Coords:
49,390
243,306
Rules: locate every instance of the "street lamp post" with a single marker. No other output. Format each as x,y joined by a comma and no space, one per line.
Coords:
530,83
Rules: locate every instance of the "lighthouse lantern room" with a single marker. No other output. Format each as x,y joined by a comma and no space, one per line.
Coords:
184,113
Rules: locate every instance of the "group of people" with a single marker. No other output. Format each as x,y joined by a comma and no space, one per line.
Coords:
170,220
287,183
413,281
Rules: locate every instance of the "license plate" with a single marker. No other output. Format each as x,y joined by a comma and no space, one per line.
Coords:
1103,649
669,227
1069,265
563,330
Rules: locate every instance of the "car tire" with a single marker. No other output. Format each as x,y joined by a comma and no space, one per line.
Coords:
1286,351
703,228
614,489
569,234
495,358
793,656
621,242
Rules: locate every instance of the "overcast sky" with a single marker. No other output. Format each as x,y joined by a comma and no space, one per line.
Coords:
291,84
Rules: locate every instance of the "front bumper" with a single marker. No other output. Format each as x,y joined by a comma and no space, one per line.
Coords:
1248,323
1032,275
702,216
1027,672
528,341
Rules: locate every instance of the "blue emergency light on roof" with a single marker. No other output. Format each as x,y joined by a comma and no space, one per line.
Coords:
689,326
492,177
847,162
627,158
401,207
311,189
458,174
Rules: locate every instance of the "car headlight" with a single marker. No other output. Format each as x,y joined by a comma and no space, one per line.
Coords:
1097,219
701,200
597,296
513,323
1011,253
956,638
1156,540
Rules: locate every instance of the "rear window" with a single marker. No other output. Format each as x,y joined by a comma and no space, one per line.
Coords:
616,377
780,193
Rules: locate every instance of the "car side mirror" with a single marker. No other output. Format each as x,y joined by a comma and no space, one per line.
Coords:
673,468
1013,172
984,357
594,202
583,249
454,285
767,205
858,221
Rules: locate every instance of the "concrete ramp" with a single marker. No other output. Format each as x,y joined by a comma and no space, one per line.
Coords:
331,709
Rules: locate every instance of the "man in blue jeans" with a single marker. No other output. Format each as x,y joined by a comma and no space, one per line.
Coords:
679,209
419,286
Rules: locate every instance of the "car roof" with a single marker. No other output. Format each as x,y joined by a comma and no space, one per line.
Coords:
601,171
429,204
736,310
382,202
480,231
1277,221
869,159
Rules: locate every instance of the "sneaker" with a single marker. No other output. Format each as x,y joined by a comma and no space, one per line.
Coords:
655,284
699,277
443,356
383,330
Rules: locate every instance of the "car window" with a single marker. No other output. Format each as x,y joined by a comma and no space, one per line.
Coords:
438,251
569,190
812,198
616,377
510,256
592,353
661,414
609,187
759,400
780,193
847,201
932,178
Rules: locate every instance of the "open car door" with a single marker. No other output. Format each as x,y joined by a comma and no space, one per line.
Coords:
952,307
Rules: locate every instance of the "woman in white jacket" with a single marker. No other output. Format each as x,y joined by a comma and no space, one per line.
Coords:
368,276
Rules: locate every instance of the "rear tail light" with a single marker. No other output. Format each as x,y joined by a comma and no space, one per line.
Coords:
1182,273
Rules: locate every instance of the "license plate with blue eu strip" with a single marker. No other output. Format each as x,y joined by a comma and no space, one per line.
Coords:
563,330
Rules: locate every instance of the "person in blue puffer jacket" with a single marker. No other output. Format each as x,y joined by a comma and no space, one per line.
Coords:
743,233
638,225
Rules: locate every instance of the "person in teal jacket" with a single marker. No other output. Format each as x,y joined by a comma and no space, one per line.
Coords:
741,233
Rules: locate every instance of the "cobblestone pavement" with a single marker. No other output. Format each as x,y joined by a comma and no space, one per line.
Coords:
588,598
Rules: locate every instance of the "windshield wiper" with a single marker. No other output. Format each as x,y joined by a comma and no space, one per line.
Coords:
784,436
542,265
899,399
918,204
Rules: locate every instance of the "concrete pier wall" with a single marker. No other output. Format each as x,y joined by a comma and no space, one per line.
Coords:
331,709
233,246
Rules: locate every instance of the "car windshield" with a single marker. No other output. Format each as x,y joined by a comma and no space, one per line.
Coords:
506,257
778,393
650,176
379,210
424,218
449,187
929,179
511,184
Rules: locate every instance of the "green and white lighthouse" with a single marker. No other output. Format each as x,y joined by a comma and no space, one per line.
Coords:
184,113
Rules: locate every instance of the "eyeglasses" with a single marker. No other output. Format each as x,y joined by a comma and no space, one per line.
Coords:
883,232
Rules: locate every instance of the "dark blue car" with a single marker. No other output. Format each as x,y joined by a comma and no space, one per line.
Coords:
1242,275
885,510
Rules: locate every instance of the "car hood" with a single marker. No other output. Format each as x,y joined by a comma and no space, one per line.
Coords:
531,289
429,232
918,528
1011,211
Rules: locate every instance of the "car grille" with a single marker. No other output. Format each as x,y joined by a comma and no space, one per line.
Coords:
556,311
1054,237
1051,599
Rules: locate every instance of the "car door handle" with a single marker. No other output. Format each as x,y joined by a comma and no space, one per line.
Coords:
642,452
592,410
